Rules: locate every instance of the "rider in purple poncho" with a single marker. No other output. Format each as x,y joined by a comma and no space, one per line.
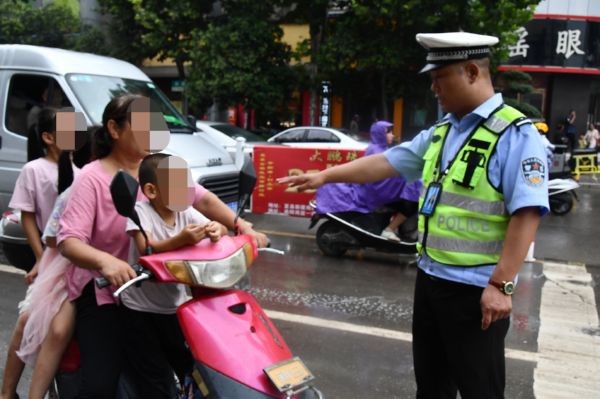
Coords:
365,198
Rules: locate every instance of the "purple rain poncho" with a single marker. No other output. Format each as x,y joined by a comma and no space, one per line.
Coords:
365,198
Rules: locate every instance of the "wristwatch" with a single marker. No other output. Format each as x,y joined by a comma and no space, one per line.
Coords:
505,287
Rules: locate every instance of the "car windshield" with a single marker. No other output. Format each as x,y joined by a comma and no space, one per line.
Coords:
234,131
95,91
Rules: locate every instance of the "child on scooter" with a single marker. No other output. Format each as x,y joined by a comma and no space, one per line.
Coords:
37,329
154,343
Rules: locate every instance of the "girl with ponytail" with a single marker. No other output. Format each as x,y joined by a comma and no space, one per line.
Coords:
49,172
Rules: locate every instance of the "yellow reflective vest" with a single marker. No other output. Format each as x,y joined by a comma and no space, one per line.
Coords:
470,220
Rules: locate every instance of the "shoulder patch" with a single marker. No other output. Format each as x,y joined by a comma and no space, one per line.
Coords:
533,171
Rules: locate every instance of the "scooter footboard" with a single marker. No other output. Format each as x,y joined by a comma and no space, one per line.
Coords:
229,332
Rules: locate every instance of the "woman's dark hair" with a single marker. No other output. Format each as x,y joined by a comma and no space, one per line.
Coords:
117,110
46,122
81,157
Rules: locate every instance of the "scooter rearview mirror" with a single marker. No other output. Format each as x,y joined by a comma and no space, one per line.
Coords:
246,186
247,177
123,190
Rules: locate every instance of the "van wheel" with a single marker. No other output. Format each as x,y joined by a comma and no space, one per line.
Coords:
327,242
561,204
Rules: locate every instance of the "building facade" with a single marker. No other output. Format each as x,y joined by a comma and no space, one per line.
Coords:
560,49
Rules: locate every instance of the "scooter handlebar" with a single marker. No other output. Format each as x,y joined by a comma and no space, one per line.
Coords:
102,282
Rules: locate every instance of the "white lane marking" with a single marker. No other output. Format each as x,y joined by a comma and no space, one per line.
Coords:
373,331
569,336
11,269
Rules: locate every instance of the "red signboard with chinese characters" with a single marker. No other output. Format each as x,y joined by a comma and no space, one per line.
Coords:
272,162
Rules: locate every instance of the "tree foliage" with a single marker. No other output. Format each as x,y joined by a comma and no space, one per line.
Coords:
55,25
374,40
514,84
124,32
169,25
240,59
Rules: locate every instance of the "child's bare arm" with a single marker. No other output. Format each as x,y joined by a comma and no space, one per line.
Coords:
34,240
189,235
32,233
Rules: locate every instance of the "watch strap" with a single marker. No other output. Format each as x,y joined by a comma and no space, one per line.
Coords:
502,286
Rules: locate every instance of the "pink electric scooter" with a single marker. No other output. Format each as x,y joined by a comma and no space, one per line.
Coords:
238,351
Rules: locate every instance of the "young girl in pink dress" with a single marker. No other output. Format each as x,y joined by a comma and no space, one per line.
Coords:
36,188
51,321
34,195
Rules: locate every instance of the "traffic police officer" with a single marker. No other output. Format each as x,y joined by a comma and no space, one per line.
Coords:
485,189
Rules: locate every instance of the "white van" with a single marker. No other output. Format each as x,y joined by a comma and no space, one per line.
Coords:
32,77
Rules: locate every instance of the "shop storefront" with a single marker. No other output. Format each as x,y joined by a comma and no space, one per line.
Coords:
560,49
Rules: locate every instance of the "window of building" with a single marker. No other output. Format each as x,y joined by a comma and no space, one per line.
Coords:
536,99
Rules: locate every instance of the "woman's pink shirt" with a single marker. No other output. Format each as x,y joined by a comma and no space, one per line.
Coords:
90,216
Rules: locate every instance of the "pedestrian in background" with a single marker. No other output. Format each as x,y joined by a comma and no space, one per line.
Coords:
354,127
592,136
485,178
571,130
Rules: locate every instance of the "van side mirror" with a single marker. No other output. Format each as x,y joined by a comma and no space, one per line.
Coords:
192,120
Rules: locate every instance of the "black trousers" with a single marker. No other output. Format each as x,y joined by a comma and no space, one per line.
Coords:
97,329
155,348
571,142
451,352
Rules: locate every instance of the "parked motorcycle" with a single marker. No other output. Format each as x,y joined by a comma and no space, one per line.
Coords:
561,195
561,187
238,352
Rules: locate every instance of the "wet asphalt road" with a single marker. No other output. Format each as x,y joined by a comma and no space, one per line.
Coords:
374,291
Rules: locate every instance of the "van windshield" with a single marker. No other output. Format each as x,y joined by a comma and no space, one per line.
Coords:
95,91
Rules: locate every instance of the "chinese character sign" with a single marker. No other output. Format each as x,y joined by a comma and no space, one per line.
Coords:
272,162
557,43
568,43
325,104
520,48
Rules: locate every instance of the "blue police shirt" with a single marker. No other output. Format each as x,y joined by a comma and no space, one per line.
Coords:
508,170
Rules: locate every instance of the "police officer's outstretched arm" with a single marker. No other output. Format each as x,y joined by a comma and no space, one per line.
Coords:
520,233
362,170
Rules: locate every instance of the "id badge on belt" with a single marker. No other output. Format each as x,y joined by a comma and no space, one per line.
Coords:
432,197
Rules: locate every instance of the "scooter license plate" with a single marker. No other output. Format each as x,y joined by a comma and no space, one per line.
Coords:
289,374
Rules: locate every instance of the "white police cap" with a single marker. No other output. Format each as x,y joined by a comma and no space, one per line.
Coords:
450,47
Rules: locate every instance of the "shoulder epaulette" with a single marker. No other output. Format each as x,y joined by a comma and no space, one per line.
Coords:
522,121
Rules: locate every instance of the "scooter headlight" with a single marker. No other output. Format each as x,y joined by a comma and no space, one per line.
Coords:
219,273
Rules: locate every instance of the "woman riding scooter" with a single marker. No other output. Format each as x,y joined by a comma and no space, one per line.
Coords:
358,203
92,236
